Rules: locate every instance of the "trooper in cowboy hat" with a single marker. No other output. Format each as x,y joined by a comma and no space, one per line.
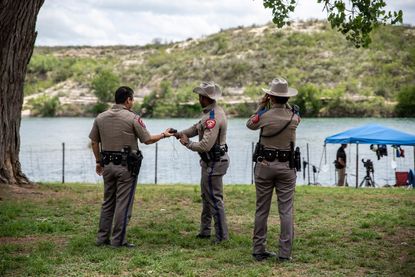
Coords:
274,168
209,89
279,87
212,148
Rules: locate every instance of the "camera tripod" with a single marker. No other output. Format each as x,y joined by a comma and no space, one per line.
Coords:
367,180
315,170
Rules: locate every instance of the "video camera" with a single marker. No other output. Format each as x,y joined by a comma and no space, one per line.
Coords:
368,164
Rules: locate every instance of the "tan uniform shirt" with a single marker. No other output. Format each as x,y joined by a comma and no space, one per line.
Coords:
118,127
208,129
272,121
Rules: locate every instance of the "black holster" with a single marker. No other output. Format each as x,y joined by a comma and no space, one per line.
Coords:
259,148
134,162
214,153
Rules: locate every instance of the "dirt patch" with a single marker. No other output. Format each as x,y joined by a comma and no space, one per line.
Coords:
33,239
402,237
14,191
37,193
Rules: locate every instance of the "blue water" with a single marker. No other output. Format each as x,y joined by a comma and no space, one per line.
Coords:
42,138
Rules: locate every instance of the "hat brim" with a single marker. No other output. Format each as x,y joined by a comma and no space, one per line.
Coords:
201,91
291,92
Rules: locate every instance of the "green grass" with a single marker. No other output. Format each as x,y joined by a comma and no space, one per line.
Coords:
50,230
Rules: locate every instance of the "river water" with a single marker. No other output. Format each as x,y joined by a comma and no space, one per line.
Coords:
42,138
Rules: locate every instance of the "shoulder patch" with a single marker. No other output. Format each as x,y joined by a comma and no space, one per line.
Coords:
210,123
140,121
255,118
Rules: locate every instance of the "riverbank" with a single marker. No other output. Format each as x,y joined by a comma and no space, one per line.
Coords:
50,229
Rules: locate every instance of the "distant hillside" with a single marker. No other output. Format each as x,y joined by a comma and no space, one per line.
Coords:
334,78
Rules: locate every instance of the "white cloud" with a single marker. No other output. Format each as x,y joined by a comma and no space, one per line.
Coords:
110,22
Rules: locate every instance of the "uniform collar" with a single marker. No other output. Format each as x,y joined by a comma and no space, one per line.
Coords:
118,107
279,106
210,107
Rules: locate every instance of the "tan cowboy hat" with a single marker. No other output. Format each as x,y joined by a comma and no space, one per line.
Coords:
208,89
279,87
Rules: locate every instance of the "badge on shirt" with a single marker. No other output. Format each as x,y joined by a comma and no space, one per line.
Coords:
210,123
255,119
140,121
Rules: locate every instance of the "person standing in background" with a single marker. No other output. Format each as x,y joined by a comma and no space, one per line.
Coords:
341,164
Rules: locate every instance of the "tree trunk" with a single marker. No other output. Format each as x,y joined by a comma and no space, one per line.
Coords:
17,38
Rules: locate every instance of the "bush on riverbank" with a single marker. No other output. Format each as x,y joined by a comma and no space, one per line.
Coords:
406,102
104,85
51,229
45,105
165,103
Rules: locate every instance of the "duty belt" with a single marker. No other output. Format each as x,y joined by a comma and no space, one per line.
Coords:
215,153
271,155
115,157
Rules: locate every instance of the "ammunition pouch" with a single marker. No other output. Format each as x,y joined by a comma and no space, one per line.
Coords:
270,155
214,154
115,157
125,158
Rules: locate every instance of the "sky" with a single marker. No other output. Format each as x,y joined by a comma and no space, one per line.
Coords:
139,22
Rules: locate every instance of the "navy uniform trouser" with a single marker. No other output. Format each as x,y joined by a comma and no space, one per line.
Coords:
211,186
119,189
269,176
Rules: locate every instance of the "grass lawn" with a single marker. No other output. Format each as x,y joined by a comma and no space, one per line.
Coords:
50,230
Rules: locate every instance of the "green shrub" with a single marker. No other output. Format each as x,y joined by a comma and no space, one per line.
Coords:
158,59
44,105
33,86
308,99
341,106
104,85
164,102
155,103
239,110
253,91
99,108
83,68
221,42
41,64
61,74
406,102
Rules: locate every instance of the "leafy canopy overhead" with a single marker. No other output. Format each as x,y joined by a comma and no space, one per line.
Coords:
355,20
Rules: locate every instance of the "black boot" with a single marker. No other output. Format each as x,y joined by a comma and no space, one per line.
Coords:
263,256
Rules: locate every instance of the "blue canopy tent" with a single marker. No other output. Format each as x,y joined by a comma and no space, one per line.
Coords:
372,134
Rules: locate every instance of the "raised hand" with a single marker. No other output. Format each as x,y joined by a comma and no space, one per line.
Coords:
169,132
264,100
